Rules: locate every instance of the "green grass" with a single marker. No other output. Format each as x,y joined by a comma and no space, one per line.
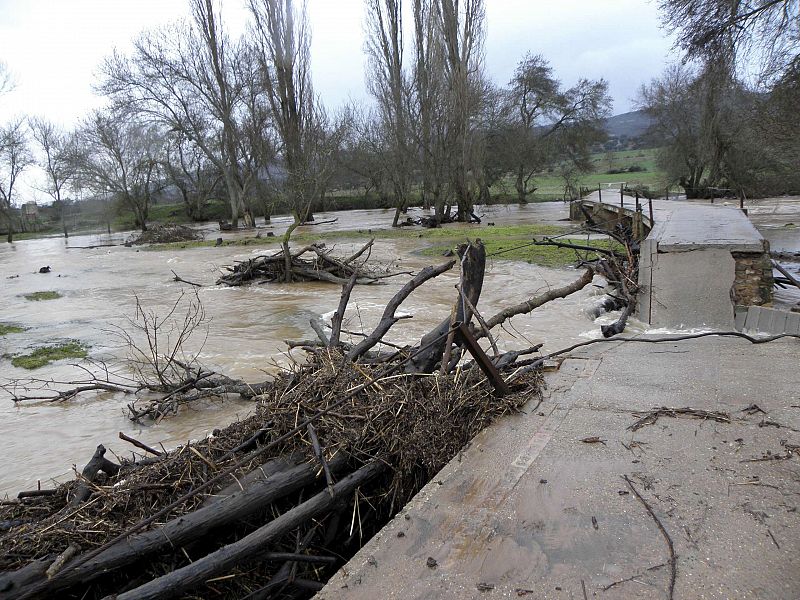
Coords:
550,185
546,256
451,232
47,354
7,328
37,296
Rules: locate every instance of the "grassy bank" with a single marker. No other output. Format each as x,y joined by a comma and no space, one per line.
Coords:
509,242
39,296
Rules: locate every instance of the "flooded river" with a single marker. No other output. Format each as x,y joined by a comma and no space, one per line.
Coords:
248,325
246,332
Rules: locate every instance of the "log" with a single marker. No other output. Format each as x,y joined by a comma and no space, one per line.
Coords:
12,583
186,528
473,266
537,301
791,279
249,547
269,469
618,326
388,319
338,316
89,474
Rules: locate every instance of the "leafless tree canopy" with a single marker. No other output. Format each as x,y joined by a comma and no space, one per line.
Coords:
6,79
766,31
192,78
121,156
15,157
57,150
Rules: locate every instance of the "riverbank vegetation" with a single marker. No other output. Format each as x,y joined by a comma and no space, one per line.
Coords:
45,295
44,355
9,328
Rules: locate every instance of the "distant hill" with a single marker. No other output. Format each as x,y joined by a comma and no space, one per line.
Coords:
630,124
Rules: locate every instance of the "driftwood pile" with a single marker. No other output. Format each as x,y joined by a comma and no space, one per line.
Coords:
287,266
270,506
284,503
436,221
165,234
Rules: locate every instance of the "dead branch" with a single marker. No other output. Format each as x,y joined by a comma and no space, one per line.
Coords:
338,316
650,417
672,558
388,318
537,301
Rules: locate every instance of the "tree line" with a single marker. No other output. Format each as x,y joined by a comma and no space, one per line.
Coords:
211,115
727,117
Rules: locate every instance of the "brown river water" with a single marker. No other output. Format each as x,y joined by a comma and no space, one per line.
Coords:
41,440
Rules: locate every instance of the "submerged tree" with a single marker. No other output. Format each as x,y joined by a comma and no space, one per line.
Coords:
15,157
120,155
57,149
387,82
463,30
308,142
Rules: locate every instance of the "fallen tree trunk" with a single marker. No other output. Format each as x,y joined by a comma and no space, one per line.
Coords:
249,547
224,510
473,267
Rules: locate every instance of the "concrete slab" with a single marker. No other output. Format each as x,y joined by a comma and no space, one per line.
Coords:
759,319
691,226
530,510
692,289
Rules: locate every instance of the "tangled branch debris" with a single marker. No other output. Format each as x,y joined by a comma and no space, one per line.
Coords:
165,234
650,417
322,266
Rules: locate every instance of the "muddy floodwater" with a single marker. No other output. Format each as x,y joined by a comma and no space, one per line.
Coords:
246,332
247,327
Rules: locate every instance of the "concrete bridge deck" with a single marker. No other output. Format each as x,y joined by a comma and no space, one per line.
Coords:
531,510
699,262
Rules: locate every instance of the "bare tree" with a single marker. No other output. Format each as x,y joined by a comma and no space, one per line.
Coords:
463,36
191,78
387,82
121,156
56,147
364,154
307,139
15,157
6,79
187,167
432,134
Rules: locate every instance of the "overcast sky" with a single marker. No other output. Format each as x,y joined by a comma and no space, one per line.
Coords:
53,47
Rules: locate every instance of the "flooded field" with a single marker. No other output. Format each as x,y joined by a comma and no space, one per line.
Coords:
246,334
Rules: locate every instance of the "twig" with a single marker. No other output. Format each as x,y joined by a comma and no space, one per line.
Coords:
632,577
672,558
182,280
139,444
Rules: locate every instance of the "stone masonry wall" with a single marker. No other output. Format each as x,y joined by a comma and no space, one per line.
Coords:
753,281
